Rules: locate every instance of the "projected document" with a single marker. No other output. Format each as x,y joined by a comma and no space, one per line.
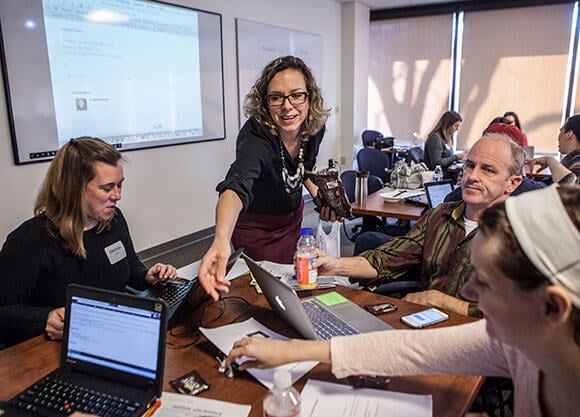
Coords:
118,70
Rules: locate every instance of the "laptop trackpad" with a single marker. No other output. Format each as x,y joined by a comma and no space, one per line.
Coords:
360,319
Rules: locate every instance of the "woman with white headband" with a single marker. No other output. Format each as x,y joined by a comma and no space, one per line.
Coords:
530,301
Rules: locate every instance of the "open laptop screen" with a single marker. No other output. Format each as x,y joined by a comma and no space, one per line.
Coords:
116,336
437,191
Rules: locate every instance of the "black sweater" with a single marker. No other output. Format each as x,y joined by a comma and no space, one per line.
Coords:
256,174
35,269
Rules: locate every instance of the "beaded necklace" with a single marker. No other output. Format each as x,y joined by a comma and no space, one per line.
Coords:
292,182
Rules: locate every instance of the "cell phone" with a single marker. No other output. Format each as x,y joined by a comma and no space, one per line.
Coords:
380,308
425,318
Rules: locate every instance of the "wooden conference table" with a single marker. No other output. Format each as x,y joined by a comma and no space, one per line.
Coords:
377,206
23,364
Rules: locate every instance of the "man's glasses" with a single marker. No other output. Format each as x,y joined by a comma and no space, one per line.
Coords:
294,99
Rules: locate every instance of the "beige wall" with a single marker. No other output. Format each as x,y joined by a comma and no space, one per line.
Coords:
169,192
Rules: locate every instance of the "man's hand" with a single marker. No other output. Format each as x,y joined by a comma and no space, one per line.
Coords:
435,298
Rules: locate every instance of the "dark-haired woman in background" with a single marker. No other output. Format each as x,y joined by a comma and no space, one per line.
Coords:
77,235
439,144
513,118
260,204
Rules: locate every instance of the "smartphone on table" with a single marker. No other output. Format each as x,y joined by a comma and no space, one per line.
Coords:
425,318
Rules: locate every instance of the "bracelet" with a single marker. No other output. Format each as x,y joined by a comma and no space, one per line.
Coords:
317,199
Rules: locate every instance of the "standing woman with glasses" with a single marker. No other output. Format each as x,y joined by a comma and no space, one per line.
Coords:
260,204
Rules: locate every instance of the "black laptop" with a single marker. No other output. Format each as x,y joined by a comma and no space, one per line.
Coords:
435,193
112,358
175,293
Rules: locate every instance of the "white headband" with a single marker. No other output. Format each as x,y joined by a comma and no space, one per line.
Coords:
548,237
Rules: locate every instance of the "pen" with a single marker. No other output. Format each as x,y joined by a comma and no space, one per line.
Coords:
153,408
399,193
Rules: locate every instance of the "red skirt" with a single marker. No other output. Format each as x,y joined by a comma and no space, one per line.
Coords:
270,237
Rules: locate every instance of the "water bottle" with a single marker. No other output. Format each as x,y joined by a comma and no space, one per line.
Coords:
282,400
361,187
306,273
333,167
438,174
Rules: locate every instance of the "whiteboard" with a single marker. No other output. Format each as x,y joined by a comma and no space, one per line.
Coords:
260,43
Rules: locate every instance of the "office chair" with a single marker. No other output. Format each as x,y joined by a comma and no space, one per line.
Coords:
415,154
348,179
374,161
369,136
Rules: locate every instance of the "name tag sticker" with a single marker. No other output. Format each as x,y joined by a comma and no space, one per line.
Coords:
331,298
116,252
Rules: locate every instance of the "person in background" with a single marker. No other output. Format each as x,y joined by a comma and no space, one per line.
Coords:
77,235
260,203
439,143
501,119
498,125
530,301
439,244
513,118
569,145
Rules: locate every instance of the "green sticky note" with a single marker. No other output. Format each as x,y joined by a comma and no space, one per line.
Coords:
331,298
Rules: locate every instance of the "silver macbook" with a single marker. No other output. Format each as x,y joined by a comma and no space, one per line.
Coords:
319,317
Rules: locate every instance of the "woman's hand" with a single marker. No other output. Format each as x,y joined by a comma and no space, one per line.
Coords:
328,214
55,324
160,272
268,353
212,271
263,353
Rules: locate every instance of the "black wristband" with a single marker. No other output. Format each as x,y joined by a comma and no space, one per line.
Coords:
317,200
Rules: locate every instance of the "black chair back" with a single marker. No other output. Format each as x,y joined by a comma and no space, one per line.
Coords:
415,154
374,161
369,137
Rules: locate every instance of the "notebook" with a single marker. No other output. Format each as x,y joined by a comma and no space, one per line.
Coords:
175,293
435,193
319,317
112,357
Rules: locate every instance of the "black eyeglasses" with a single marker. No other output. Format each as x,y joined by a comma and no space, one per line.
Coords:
294,98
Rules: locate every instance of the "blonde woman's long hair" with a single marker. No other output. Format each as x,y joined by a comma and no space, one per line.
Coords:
62,194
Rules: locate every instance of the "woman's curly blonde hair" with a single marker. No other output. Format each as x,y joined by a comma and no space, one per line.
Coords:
255,104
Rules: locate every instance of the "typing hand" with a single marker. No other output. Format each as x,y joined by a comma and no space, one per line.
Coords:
55,324
160,272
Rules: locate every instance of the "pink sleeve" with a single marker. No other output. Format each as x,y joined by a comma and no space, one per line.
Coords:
456,350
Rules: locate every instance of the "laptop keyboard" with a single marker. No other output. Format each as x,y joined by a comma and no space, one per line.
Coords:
325,323
171,292
52,397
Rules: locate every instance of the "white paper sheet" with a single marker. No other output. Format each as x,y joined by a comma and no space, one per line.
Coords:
224,337
191,271
180,405
323,399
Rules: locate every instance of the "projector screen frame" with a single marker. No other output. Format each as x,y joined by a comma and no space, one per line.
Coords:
32,110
